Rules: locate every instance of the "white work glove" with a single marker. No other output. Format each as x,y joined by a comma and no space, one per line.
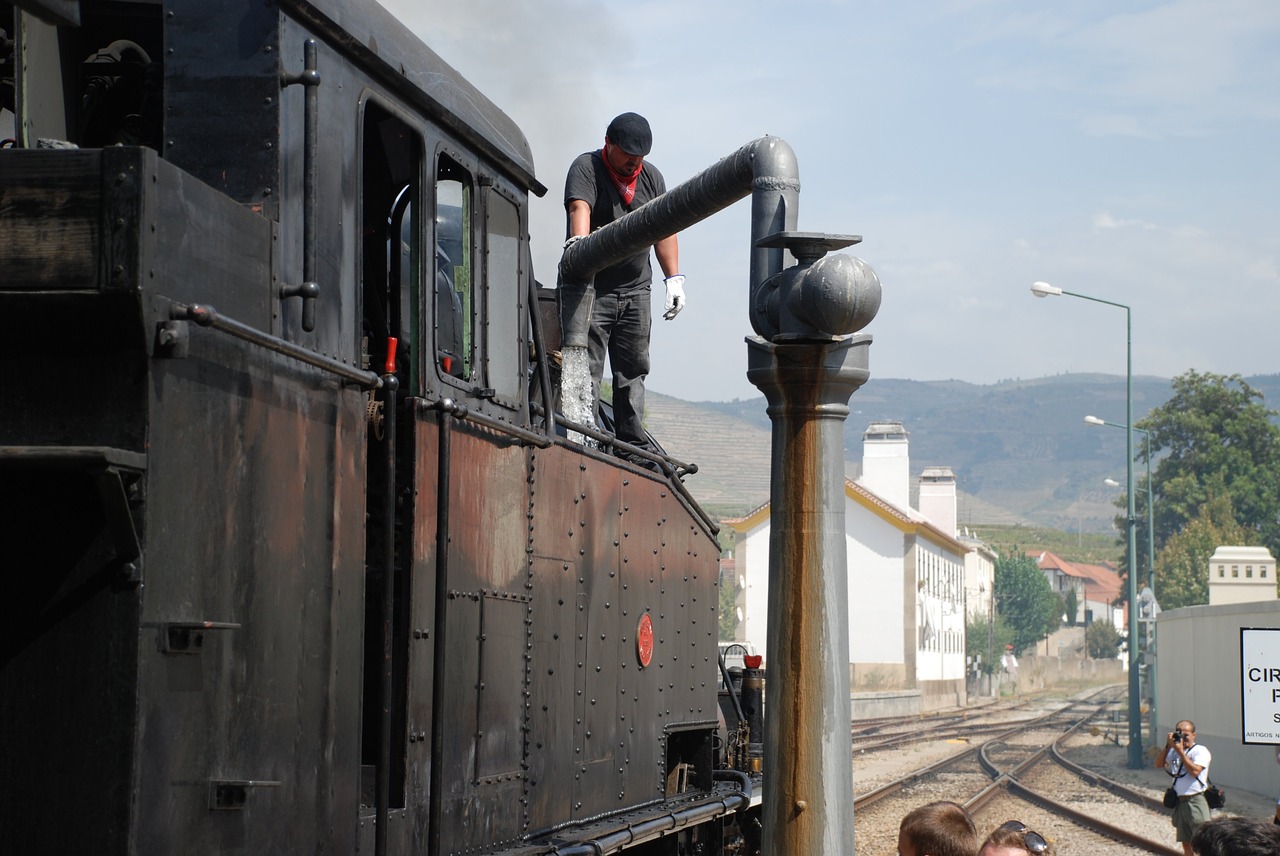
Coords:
675,295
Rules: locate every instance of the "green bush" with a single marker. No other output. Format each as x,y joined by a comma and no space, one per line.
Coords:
1103,640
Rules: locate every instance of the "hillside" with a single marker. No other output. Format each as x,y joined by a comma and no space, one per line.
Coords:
1020,449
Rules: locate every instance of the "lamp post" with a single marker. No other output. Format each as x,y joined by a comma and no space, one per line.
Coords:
1044,289
1151,498
1149,647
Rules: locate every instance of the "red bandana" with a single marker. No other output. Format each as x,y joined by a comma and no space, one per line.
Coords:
626,184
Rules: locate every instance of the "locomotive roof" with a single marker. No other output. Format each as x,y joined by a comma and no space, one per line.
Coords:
369,30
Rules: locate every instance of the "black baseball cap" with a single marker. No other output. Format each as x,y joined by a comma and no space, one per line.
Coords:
630,132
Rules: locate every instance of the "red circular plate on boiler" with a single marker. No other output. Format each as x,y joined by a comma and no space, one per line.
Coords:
644,640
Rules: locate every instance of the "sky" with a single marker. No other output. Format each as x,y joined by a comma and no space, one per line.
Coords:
1127,151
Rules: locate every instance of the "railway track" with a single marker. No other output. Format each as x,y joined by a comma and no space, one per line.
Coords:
1015,769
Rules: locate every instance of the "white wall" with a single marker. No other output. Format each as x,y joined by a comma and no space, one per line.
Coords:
875,556
886,468
1198,678
942,597
751,554
979,581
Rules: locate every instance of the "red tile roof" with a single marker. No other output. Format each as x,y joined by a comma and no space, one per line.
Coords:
1099,582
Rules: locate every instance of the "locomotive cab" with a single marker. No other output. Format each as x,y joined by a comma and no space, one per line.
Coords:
303,560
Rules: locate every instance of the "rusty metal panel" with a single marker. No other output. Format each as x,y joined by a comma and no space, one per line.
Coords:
423,633
555,475
618,547
551,671
249,502
670,571
643,689
487,637
597,780
500,737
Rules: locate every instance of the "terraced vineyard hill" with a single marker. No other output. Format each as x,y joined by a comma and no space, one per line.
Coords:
1019,449
732,454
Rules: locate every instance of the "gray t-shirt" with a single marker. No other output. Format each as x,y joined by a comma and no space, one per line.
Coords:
589,180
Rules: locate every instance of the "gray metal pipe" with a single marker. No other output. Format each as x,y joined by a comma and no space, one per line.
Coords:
765,168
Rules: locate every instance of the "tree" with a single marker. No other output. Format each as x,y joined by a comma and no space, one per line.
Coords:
1024,599
1103,640
1217,437
1070,606
976,642
1182,567
728,619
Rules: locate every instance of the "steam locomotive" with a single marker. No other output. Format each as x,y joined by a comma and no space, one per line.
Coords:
298,558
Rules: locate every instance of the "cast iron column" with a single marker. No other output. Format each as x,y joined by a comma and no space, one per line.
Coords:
808,798
808,368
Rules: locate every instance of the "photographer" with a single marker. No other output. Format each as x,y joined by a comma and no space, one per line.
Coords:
1188,763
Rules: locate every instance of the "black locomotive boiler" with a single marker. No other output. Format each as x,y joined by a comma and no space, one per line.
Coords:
296,556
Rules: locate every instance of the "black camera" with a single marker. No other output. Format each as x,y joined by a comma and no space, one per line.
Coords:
1179,736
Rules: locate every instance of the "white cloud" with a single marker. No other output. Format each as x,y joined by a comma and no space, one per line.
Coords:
1104,220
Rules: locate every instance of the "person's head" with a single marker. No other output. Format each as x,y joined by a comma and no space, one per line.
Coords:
940,828
1188,729
626,142
1236,836
1013,838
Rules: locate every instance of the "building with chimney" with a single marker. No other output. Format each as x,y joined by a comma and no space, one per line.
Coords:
908,579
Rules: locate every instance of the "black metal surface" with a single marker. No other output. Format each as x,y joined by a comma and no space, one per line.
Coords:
207,316
217,540
308,289
53,11
394,57
68,601
222,94
389,387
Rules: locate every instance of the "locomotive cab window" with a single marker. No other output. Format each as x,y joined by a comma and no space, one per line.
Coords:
479,341
454,293
503,296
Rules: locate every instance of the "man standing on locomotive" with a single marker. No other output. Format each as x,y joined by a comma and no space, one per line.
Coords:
602,186
1188,763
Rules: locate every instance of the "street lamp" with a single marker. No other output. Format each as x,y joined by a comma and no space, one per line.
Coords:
1151,497
1148,594
1044,289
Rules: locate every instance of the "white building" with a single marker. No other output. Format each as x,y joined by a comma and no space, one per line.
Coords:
907,576
1097,589
1241,575
979,578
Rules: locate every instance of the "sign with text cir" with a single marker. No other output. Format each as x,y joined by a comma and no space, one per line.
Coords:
1260,684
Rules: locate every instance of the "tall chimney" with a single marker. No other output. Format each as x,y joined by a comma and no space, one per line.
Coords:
886,467
938,498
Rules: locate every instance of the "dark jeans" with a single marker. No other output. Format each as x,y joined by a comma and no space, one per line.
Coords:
620,327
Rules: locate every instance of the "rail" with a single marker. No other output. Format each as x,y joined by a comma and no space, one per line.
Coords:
206,316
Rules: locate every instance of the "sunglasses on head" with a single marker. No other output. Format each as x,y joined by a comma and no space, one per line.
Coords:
1034,841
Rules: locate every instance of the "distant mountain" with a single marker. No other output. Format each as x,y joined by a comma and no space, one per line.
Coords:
1020,449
